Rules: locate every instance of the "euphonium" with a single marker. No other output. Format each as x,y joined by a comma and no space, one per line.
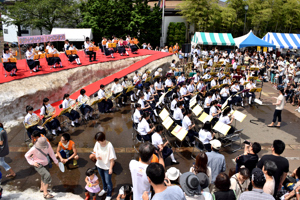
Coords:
33,120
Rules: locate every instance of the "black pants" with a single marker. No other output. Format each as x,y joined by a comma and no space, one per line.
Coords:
191,134
91,54
35,128
53,124
277,113
73,115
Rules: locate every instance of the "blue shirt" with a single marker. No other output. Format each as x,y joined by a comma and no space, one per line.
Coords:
216,162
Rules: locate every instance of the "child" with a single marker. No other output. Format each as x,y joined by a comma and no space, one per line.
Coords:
125,193
92,184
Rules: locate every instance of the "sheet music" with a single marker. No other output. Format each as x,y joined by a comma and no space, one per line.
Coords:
224,105
239,115
258,101
193,101
197,110
167,122
205,117
179,132
208,118
222,128
163,114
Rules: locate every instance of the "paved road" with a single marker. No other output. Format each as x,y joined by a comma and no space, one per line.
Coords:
118,128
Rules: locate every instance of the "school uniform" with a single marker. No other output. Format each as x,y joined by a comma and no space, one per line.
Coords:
73,115
54,123
106,104
143,129
8,66
224,94
205,106
84,108
30,62
117,89
33,128
178,116
88,52
235,89
53,60
186,122
73,57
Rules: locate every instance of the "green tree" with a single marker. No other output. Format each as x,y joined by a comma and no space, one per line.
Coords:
176,33
44,14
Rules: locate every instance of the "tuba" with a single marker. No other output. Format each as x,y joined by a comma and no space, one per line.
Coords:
33,120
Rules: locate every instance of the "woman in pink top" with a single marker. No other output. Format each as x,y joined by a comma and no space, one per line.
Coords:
37,156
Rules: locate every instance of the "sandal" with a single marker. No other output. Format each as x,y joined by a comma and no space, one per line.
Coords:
10,175
277,126
270,126
43,190
48,196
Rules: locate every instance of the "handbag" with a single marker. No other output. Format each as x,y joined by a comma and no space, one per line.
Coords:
46,155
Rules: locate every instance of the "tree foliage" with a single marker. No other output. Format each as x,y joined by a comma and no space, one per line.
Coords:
263,16
44,14
120,18
176,33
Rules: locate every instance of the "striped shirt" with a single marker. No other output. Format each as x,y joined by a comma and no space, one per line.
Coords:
256,194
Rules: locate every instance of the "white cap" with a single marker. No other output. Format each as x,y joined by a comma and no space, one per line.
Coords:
173,173
216,144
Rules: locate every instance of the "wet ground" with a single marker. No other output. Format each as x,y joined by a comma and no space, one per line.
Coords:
118,129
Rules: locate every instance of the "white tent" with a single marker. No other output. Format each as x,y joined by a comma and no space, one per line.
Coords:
74,34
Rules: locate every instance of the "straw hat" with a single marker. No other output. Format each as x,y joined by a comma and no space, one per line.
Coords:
173,173
41,143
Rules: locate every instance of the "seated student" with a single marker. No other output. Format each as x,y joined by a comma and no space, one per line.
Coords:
32,64
197,77
174,103
207,102
144,105
191,86
215,112
159,86
53,60
121,48
73,57
66,150
27,121
117,89
125,192
227,80
73,115
153,92
216,96
84,108
181,78
149,98
137,117
227,120
206,135
250,95
87,45
9,66
188,126
177,115
52,125
168,85
109,51
125,84
157,142
144,127
224,93
185,94
106,104
235,88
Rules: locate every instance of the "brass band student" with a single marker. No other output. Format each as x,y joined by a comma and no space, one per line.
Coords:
32,64
9,66
87,45
31,122
47,111
53,60
106,104
72,114
84,108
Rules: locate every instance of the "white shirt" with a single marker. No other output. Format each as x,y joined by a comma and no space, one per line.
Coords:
147,96
191,88
173,104
225,120
156,139
207,101
43,110
216,97
28,53
27,117
231,55
186,122
213,110
206,76
224,91
80,97
136,116
250,86
101,94
235,88
196,78
87,45
141,101
72,48
156,73
144,77
200,86
180,79
242,81
65,103
135,79
227,81
210,62
205,136
158,85
52,50
48,47
168,83
143,127
213,83
106,153
183,91
139,179
178,114
116,88
66,46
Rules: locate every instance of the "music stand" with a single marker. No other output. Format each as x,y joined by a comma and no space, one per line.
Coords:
179,132
204,117
222,128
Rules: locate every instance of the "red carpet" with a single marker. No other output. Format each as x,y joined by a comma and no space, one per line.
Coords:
24,72
94,87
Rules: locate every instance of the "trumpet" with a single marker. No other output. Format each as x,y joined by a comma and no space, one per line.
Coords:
33,120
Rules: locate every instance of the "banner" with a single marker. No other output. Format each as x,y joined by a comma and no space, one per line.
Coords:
41,38
258,48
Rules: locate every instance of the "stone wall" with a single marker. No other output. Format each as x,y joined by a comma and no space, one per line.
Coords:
16,95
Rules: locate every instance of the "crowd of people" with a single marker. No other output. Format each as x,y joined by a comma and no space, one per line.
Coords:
216,80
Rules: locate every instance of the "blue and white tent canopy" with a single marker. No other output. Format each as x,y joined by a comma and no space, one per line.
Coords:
251,40
283,40
220,39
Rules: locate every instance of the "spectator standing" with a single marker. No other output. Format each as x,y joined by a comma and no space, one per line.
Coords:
106,156
4,151
269,170
239,182
281,162
201,166
156,176
250,158
139,178
224,192
258,181
216,161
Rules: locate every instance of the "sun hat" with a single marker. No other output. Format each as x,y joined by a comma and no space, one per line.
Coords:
203,180
173,173
190,184
216,144
41,143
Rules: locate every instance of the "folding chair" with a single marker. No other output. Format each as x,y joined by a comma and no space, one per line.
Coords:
230,139
199,145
